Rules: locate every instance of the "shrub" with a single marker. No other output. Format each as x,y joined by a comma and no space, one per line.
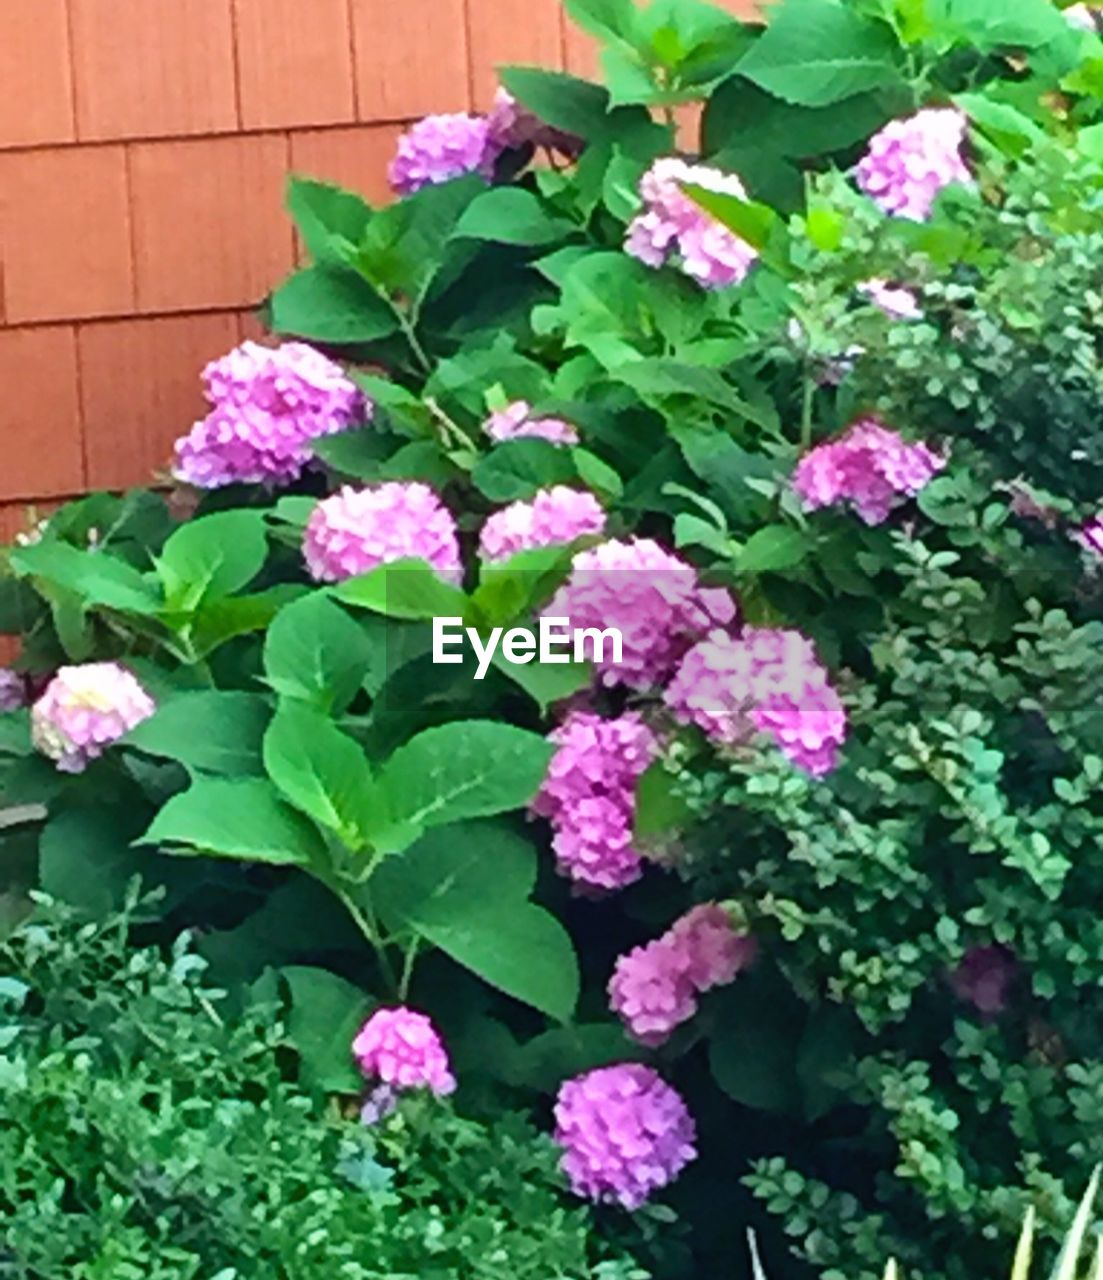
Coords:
831,376
149,1132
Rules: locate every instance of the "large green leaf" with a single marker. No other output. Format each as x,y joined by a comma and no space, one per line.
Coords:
85,857
315,652
94,577
466,769
326,1013
323,772
241,818
465,888
212,557
407,589
330,219
573,105
815,52
331,305
773,548
516,469
606,19
511,215
208,731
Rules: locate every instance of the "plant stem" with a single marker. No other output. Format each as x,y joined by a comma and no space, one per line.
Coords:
368,925
408,967
806,409
410,334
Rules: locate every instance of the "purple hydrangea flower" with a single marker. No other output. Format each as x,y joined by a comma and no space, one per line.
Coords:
441,147
869,467
911,160
1090,535
673,225
895,300
763,680
268,406
515,422
13,690
625,1133
355,530
401,1048
84,709
984,978
511,125
556,515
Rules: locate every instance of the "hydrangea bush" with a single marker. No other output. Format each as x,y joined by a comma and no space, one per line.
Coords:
786,917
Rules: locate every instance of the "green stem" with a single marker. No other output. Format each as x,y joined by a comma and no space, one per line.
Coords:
806,409
449,427
410,334
408,967
368,925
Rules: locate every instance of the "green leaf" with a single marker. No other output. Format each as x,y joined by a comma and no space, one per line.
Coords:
754,223
660,807
243,819
315,652
606,19
95,577
330,219
662,379
1011,130
565,102
359,453
776,547
465,888
217,621
465,769
815,52
323,772
596,474
326,1013
85,858
511,215
753,1051
510,588
516,469
208,731
212,557
331,305
546,683
405,589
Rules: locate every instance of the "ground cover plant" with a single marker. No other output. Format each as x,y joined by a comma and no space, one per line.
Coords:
786,918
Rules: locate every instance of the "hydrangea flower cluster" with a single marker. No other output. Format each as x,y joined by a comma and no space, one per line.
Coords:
673,224
515,422
625,1133
589,797
84,709
765,680
652,596
13,692
268,405
654,988
441,147
1090,535
895,300
984,978
401,1048
355,530
556,515
512,125
869,467
911,160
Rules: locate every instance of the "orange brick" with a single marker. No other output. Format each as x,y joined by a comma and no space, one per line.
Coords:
153,68
294,62
65,231
411,57
140,390
581,51
209,225
36,95
39,413
353,158
511,31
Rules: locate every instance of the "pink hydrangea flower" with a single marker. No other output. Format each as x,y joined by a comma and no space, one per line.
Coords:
654,988
625,1133
84,709
764,680
512,125
441,147
268,406
715,953
911,160
984,978
588,795
515,422
672,224
869,467
651,991
895,300
355,530
401,1048
556,515
13,690
652,596
1090,535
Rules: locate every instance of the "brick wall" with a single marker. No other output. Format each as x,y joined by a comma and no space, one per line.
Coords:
144,146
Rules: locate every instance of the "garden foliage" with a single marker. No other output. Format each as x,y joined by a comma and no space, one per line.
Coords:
808,401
